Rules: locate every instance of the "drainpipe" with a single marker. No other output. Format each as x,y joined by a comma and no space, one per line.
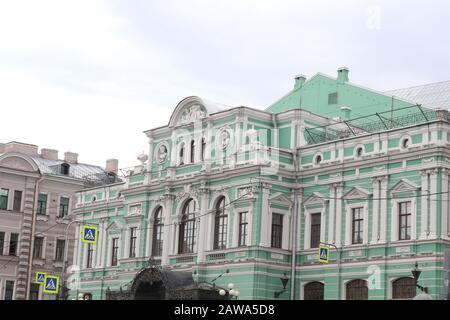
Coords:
33,227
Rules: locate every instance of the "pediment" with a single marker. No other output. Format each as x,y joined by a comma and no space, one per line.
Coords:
404,185
280,198
114,226
18,161
357,193
314,199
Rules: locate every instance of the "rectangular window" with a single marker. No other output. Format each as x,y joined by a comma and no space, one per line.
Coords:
38,245
4,193
63,207
404,209
315,230
115,251
34,291
243,229
42,203
17,205
90,252
13,243
277,230
357,225
332,98
2,242
133,238
9,290
59,253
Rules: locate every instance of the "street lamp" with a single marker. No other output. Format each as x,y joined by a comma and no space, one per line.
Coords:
284,280
231,292
416,274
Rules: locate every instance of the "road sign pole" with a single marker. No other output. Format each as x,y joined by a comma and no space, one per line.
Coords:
338,262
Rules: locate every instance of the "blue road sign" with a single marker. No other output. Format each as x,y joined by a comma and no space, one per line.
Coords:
89,234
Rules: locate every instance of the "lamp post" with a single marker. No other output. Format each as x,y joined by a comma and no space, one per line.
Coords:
231,292
416,274
284,280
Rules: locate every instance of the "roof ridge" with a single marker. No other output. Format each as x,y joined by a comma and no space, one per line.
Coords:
417,86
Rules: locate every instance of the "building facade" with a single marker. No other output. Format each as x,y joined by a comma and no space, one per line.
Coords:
37,197
255,192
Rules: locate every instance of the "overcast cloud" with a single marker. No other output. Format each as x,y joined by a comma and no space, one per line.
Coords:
90,76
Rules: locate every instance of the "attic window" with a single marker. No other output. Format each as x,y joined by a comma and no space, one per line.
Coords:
359,152
405,143
332,98
65,168
318,159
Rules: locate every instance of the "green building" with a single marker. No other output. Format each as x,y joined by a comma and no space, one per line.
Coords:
255,193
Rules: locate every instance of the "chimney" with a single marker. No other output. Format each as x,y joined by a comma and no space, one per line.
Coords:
299,81
70,157
19,147
112,165
345,113
342,75
49,154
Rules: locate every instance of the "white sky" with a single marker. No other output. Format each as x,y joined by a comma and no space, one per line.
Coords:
90,76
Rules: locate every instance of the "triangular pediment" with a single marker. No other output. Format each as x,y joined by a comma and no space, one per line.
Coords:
357,193
404,185
314,199
114,226
280,198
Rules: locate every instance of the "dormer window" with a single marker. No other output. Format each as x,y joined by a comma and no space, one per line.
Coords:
65,167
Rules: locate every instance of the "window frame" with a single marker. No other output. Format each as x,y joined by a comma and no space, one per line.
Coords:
40,206
59,251
16,244
220,224
408,216
360,221
89,255
114,251
132,245
311,244
67,207
16,201
4,198
158,232
243,235
38,254
188,228
276,234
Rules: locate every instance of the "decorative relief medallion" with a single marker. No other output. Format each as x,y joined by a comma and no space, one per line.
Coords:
161,153
224,138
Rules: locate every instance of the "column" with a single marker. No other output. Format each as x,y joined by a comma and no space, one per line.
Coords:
203,225
265,222
168,229
339,188
384,209
424,204
332,213
433,203
376,208
445,205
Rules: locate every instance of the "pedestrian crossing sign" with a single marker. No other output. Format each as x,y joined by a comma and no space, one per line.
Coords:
323,253
89,234
51,284
40,277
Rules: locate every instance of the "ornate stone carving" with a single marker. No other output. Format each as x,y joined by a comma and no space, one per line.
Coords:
245,192
192,114
224,138
162,153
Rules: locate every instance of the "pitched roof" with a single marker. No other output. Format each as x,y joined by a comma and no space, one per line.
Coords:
434,95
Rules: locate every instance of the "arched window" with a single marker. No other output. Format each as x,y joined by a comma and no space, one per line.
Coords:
220,225
186,240
203,148
192,151
158,232
314,291
181,154
357,290
403,288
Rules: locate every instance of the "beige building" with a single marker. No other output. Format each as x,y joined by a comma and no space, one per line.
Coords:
37,194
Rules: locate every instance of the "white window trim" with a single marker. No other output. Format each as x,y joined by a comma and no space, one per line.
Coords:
286,224
395,218
47,206
21,200
235,213
113,235
349,223
307,213
126,254
55,241
212,220
3,288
